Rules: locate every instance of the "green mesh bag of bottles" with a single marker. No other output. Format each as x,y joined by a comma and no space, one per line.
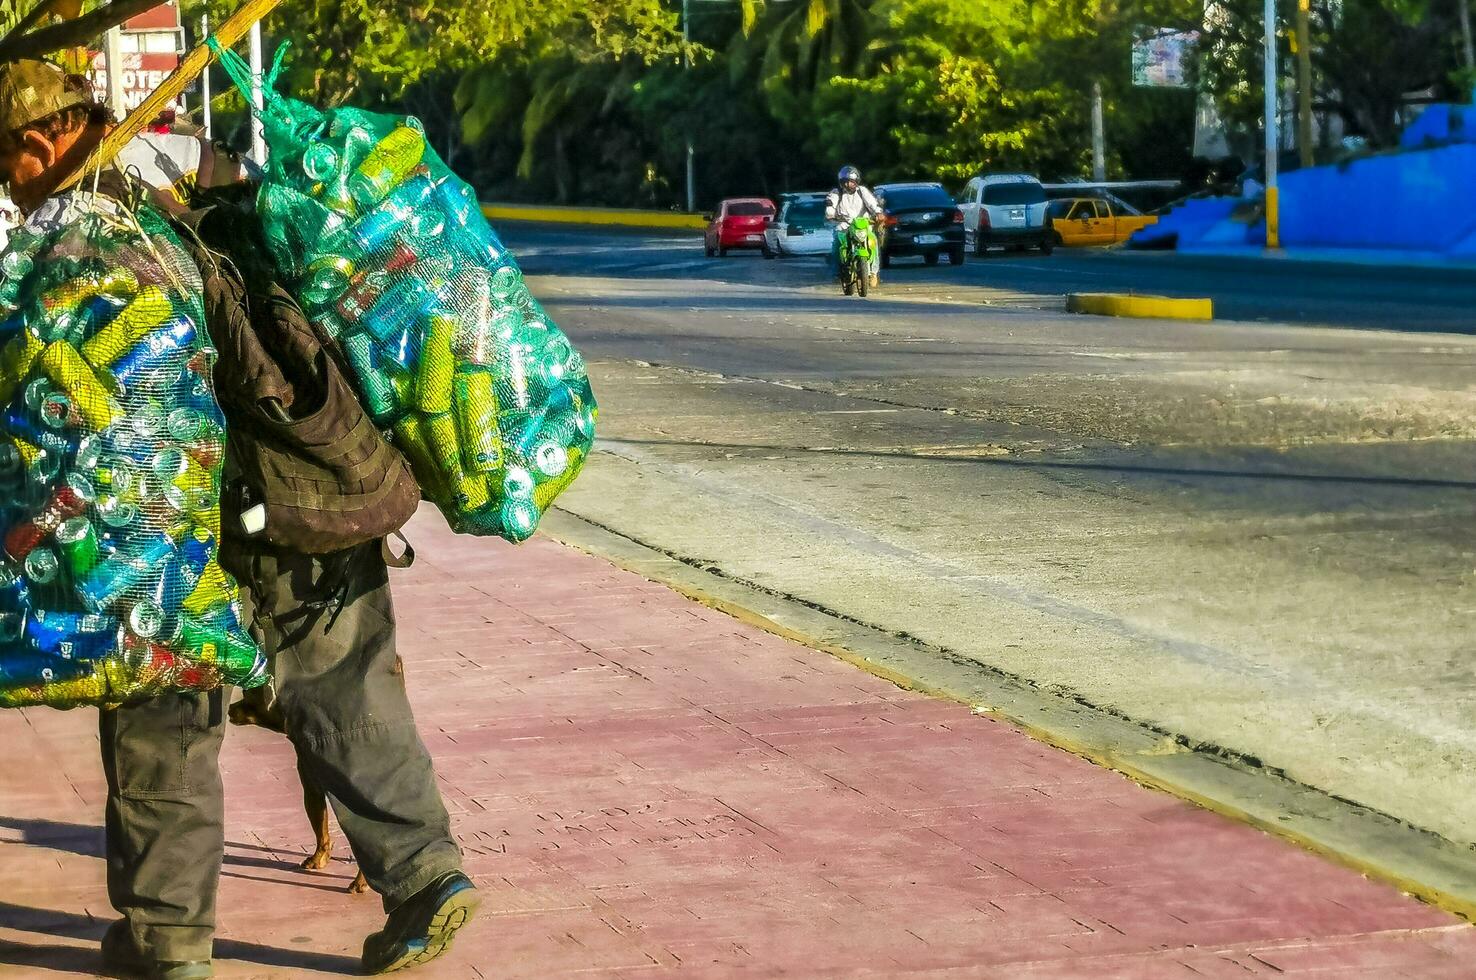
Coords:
388,252
111,445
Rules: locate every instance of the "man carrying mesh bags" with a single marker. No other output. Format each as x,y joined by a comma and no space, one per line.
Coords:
330,613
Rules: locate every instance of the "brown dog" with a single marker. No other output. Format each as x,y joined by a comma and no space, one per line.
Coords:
257,707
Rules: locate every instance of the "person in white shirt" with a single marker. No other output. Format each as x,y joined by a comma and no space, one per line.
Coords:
175,164
845,204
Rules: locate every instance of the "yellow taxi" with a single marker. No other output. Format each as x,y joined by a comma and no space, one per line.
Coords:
1094,221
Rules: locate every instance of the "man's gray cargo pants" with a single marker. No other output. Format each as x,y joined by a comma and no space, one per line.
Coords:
327,622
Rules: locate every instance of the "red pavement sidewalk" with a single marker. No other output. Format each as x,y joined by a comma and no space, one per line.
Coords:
646,788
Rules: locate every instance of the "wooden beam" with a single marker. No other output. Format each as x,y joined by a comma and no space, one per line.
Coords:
227,34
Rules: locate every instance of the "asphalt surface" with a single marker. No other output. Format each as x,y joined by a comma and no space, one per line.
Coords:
1285,290
1258,536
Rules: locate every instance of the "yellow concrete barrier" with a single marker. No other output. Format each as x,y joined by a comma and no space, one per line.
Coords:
609,217
1143,307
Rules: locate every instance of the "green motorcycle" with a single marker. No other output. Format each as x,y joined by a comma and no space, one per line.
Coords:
856,247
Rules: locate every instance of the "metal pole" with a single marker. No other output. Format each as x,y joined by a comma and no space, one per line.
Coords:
1099,136
205,80
1304,82
258,142
114,54
1470,51
1273,141
691,150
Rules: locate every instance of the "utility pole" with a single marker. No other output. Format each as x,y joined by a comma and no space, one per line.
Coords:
691,150
113,51
1464,6
1273,141
1304,82
258,140
1099,136
205,80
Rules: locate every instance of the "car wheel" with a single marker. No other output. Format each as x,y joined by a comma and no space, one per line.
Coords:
768,252
981,250
956,256
723,251
1048,246
931,258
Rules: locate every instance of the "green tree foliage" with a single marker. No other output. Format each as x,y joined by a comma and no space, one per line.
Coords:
960,87
350,49
565,100
1368,56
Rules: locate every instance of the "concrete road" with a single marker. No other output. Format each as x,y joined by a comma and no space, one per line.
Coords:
1257,535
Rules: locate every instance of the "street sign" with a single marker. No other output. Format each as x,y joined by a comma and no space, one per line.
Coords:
1161,57
151,45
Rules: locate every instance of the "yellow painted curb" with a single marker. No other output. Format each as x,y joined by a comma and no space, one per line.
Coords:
613,217
1141,307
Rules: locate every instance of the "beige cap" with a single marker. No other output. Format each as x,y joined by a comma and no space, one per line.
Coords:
32,90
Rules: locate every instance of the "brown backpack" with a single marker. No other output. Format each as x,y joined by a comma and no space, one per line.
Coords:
298,441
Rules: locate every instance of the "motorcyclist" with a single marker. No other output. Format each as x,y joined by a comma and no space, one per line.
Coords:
844,205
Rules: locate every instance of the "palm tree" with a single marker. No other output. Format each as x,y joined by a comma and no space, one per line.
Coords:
793,51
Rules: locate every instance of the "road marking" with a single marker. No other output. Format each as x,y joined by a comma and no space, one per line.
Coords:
1043,268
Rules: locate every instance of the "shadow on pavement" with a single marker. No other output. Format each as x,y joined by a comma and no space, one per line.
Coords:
788,304
335,885
74,959
49,957
75,838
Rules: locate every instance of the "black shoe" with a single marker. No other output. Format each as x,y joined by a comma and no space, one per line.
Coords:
121,956
422,928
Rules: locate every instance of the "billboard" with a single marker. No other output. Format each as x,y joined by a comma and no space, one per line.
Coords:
152,45
1161,57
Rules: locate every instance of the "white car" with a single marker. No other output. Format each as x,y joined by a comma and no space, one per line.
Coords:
800,228
1008,210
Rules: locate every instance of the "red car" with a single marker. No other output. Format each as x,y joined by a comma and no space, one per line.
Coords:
738,223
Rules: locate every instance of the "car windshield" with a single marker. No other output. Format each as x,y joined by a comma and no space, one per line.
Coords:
1058,209
1024,192
747,209
806,214
915,197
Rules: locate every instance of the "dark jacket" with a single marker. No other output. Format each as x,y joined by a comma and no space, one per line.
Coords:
298,441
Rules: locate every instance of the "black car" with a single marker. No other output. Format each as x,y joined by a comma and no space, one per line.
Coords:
921,219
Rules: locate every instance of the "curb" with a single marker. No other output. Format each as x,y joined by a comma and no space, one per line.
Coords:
1140,307
1416,861
607,217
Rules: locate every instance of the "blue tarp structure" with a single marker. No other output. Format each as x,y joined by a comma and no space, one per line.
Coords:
1441,123
1419,201
1186,224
